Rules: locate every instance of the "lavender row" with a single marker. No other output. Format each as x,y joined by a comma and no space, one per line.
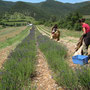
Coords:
56,55
20,65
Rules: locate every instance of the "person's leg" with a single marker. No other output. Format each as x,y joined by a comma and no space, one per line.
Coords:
85,49
51,36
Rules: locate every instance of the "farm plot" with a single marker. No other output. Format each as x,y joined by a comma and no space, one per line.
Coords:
8,45
20,65
10,32
64,33
86,16
69,40
55,53
11,35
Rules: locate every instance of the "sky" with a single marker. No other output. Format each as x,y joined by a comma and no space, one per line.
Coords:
36,1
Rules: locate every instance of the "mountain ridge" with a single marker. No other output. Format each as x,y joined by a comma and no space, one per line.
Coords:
43,10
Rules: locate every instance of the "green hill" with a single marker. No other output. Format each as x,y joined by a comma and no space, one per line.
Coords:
80,5
28,10
85,10
44,10
55,8
5,6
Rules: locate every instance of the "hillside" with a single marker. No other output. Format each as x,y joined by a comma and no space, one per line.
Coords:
54,7
58,8
44,10
28,10
80,5
5,6
85,10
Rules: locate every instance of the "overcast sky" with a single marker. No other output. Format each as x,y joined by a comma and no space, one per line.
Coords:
36,1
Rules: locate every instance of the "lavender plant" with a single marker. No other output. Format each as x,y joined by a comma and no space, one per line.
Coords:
20,65
65,76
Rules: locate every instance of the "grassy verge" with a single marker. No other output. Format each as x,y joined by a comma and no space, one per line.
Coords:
64,75
15,39
8,30
64,33
20,65
1,28
44,30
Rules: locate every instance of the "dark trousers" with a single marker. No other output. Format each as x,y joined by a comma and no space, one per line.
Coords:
85,49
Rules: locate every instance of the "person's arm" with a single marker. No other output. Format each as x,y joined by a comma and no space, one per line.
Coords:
84,31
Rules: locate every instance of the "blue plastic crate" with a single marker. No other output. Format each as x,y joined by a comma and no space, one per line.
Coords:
80,59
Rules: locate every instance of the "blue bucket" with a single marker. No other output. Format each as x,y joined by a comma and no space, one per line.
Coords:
80,59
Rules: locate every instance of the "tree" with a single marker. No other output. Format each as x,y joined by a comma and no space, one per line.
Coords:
71,21
77,27
53,18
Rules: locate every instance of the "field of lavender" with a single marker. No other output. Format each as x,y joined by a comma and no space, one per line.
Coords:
56,55
20,66
18,70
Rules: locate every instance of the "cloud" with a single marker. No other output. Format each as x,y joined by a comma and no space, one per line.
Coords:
72,1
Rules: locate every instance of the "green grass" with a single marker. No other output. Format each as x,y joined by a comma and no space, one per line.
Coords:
76,34
64,33
1,28
44,30
86,16
8,30
20,66
15,39
83,75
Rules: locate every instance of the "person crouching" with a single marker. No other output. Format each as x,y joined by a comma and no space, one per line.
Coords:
54,29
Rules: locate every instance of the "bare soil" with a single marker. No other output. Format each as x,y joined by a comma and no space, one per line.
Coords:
44,79
4,53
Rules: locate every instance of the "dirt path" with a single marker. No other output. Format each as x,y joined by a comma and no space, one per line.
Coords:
4,53
70,43
43,79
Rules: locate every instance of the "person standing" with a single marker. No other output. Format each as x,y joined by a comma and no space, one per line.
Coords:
86,36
